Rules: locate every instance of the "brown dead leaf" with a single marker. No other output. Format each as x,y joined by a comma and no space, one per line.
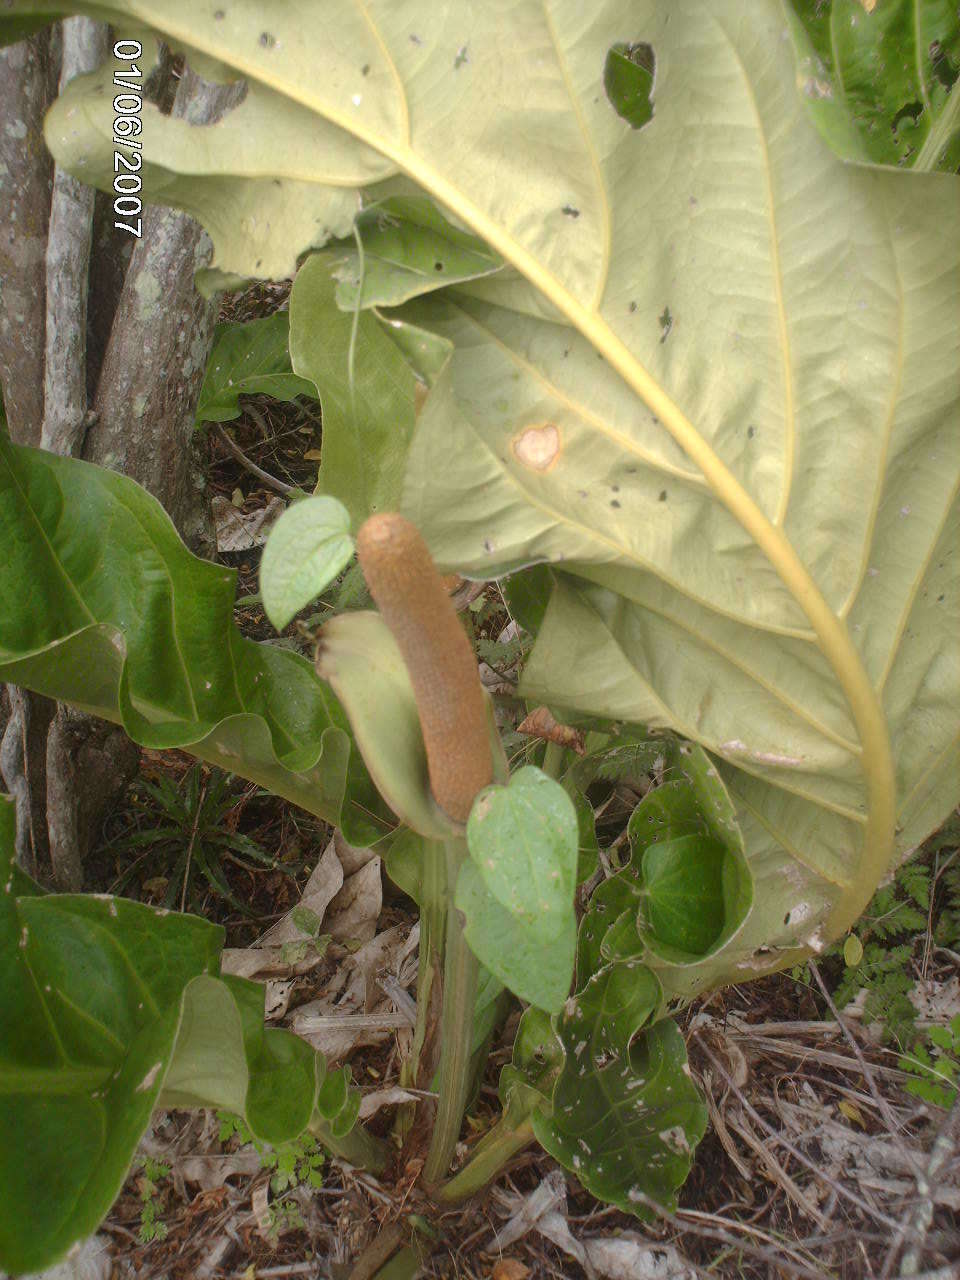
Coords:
321,889
353,913
238,530
509,1269
541,724
353,1011
260,1204
211,1171
371,1103
351,858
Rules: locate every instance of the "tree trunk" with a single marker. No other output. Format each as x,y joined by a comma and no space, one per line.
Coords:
28,77
127,331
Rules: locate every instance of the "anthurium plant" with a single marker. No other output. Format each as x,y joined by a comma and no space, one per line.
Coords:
634,310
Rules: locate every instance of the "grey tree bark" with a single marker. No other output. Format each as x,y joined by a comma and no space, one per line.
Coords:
124,398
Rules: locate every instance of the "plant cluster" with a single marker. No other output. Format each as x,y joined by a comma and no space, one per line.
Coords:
182,835
294,1164
664,339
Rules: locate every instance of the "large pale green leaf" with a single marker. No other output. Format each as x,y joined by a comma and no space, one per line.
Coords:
718,378
105,608
261,216
878,78
359,656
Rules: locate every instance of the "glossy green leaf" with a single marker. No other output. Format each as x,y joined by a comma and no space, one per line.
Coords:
628,82
532,968
588,850
306,549
684,901
107,610
249,359
409,248
90,1007
523,839
527,596
108,1009
367,400
878,79
683,898
626,1115
527,1081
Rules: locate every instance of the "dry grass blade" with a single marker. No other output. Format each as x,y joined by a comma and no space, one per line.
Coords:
798,1155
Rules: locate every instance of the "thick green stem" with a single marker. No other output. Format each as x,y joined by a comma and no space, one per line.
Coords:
491,1153
358,1147
552,760
433,916
459,995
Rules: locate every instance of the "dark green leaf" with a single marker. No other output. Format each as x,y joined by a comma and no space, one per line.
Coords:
684,901
249,359
626,1115
90,1001
878,78
106,609
628,81
528,594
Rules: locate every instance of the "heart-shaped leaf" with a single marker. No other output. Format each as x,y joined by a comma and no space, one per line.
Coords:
524,840
307,547
532,968
685,902
90,1004
109,1008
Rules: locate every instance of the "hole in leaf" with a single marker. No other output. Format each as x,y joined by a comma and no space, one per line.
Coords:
628,76
907,116
943,68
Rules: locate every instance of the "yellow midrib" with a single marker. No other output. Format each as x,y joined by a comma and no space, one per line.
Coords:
831,632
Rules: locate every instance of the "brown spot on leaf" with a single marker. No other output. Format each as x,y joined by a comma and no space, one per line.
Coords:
538,447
